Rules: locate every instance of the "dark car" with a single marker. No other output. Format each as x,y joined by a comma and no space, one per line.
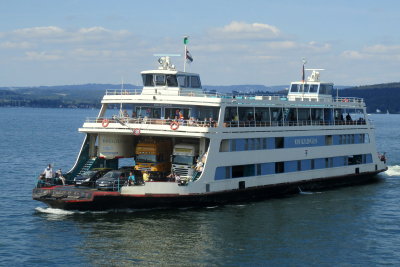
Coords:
113,180
89,178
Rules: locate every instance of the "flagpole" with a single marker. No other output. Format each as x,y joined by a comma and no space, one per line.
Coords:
184,59
185,42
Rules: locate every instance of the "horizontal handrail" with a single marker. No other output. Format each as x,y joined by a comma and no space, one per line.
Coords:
128,92
130,120
290,123
206,123
349,99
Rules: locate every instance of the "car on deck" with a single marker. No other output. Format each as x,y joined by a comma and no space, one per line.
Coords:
113,180
90,177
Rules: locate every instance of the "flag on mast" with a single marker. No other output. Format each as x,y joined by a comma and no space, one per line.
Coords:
189,57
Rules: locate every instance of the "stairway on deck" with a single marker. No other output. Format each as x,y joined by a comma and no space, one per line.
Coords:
89,163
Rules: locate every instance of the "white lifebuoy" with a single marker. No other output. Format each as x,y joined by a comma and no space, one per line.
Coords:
105,123
174,125
136,131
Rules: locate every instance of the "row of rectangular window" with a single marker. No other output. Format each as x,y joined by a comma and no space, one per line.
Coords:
245,144
237,171
279,114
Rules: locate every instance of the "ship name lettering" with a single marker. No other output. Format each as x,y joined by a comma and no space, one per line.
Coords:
305,141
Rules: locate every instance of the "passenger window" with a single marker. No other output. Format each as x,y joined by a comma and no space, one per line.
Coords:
279,142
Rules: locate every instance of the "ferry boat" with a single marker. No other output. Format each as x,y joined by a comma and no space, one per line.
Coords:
194,148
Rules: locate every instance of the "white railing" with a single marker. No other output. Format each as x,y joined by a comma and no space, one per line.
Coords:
128,92
129,120
348,99
205,123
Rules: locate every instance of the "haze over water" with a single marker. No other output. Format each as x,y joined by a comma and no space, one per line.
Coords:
353,225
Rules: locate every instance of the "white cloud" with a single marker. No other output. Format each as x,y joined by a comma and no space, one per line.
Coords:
15,45
38,31
350,54
242,30
96,29
376,52
41,56
317,47
281,45
382,49
90,54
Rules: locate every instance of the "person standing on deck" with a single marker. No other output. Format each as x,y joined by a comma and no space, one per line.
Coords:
60,176
48,172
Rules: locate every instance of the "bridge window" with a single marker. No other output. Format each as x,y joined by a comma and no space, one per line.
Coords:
172,81
148,80
183,81
159,79
296,88
325,89
195,82
313,88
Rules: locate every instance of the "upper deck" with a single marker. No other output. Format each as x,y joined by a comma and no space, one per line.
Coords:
170,96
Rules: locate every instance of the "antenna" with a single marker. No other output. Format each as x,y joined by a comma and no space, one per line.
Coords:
122,88
314,75
303,73
164,60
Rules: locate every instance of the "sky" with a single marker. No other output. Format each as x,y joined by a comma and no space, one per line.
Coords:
53,42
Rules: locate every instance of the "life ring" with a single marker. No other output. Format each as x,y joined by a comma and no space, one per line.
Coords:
174,126
136,131
105,123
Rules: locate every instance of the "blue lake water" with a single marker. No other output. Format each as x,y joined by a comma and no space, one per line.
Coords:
357,225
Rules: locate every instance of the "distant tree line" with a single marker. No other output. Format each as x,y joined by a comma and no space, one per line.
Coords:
383,97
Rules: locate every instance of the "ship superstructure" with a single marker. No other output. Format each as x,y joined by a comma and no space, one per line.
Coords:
247,146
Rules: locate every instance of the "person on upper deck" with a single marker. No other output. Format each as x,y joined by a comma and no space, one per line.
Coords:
348,117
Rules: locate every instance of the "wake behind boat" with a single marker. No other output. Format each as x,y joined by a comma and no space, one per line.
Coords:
193,148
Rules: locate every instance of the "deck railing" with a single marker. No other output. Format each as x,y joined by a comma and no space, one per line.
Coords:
126,120
128,92
198,123
290,123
